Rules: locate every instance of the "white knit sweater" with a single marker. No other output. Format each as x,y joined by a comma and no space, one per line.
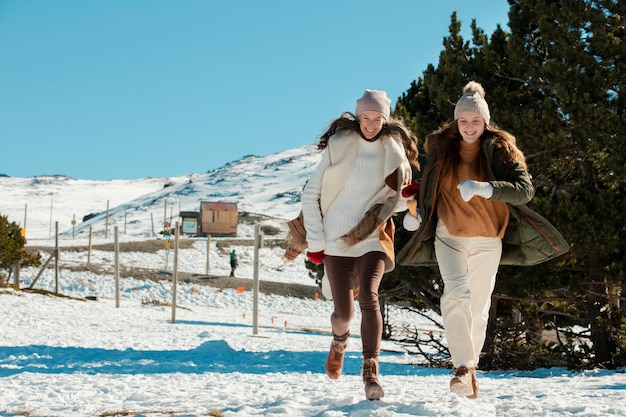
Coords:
348,181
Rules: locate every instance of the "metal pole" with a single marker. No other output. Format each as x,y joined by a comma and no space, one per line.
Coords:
255,304
175,276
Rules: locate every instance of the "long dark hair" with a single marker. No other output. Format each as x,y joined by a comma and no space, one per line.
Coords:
444,144
392,127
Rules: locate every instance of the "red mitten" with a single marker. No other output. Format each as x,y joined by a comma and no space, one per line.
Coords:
316,257
411,190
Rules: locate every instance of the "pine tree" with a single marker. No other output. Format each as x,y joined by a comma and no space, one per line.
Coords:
12,251
570,55
557,81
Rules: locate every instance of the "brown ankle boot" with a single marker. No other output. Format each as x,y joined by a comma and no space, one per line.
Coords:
334,361
373,390
464,382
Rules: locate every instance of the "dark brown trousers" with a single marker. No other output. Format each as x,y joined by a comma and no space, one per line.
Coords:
344,275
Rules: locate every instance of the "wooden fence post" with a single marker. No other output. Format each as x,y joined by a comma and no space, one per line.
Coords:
117,269
89,247
17,277
56,257
208,251
175,276
255,301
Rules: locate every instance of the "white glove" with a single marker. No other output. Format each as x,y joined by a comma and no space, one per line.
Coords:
470,188
411,223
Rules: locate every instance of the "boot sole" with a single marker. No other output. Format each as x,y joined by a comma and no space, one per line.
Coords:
461,389
374,392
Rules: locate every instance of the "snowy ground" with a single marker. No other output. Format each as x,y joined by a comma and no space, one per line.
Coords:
64,357
68,357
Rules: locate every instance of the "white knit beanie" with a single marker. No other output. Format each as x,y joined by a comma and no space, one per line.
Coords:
374,100
473,100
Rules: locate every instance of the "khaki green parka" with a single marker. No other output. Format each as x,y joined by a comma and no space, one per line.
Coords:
529,238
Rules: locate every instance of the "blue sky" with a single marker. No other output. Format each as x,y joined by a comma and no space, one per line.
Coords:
152,88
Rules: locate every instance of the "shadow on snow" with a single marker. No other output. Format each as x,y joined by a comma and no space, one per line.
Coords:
211,356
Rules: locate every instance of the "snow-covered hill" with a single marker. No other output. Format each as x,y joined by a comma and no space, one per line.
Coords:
268,185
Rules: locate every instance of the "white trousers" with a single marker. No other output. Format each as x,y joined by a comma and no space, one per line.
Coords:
468,267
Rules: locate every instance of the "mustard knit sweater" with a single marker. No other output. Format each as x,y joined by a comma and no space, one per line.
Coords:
479,216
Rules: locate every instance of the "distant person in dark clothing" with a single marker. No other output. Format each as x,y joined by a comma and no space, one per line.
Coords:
233,263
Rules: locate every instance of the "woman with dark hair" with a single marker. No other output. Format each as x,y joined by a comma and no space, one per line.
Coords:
347,206
472,199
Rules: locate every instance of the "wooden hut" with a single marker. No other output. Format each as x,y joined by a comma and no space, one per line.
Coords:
218,218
